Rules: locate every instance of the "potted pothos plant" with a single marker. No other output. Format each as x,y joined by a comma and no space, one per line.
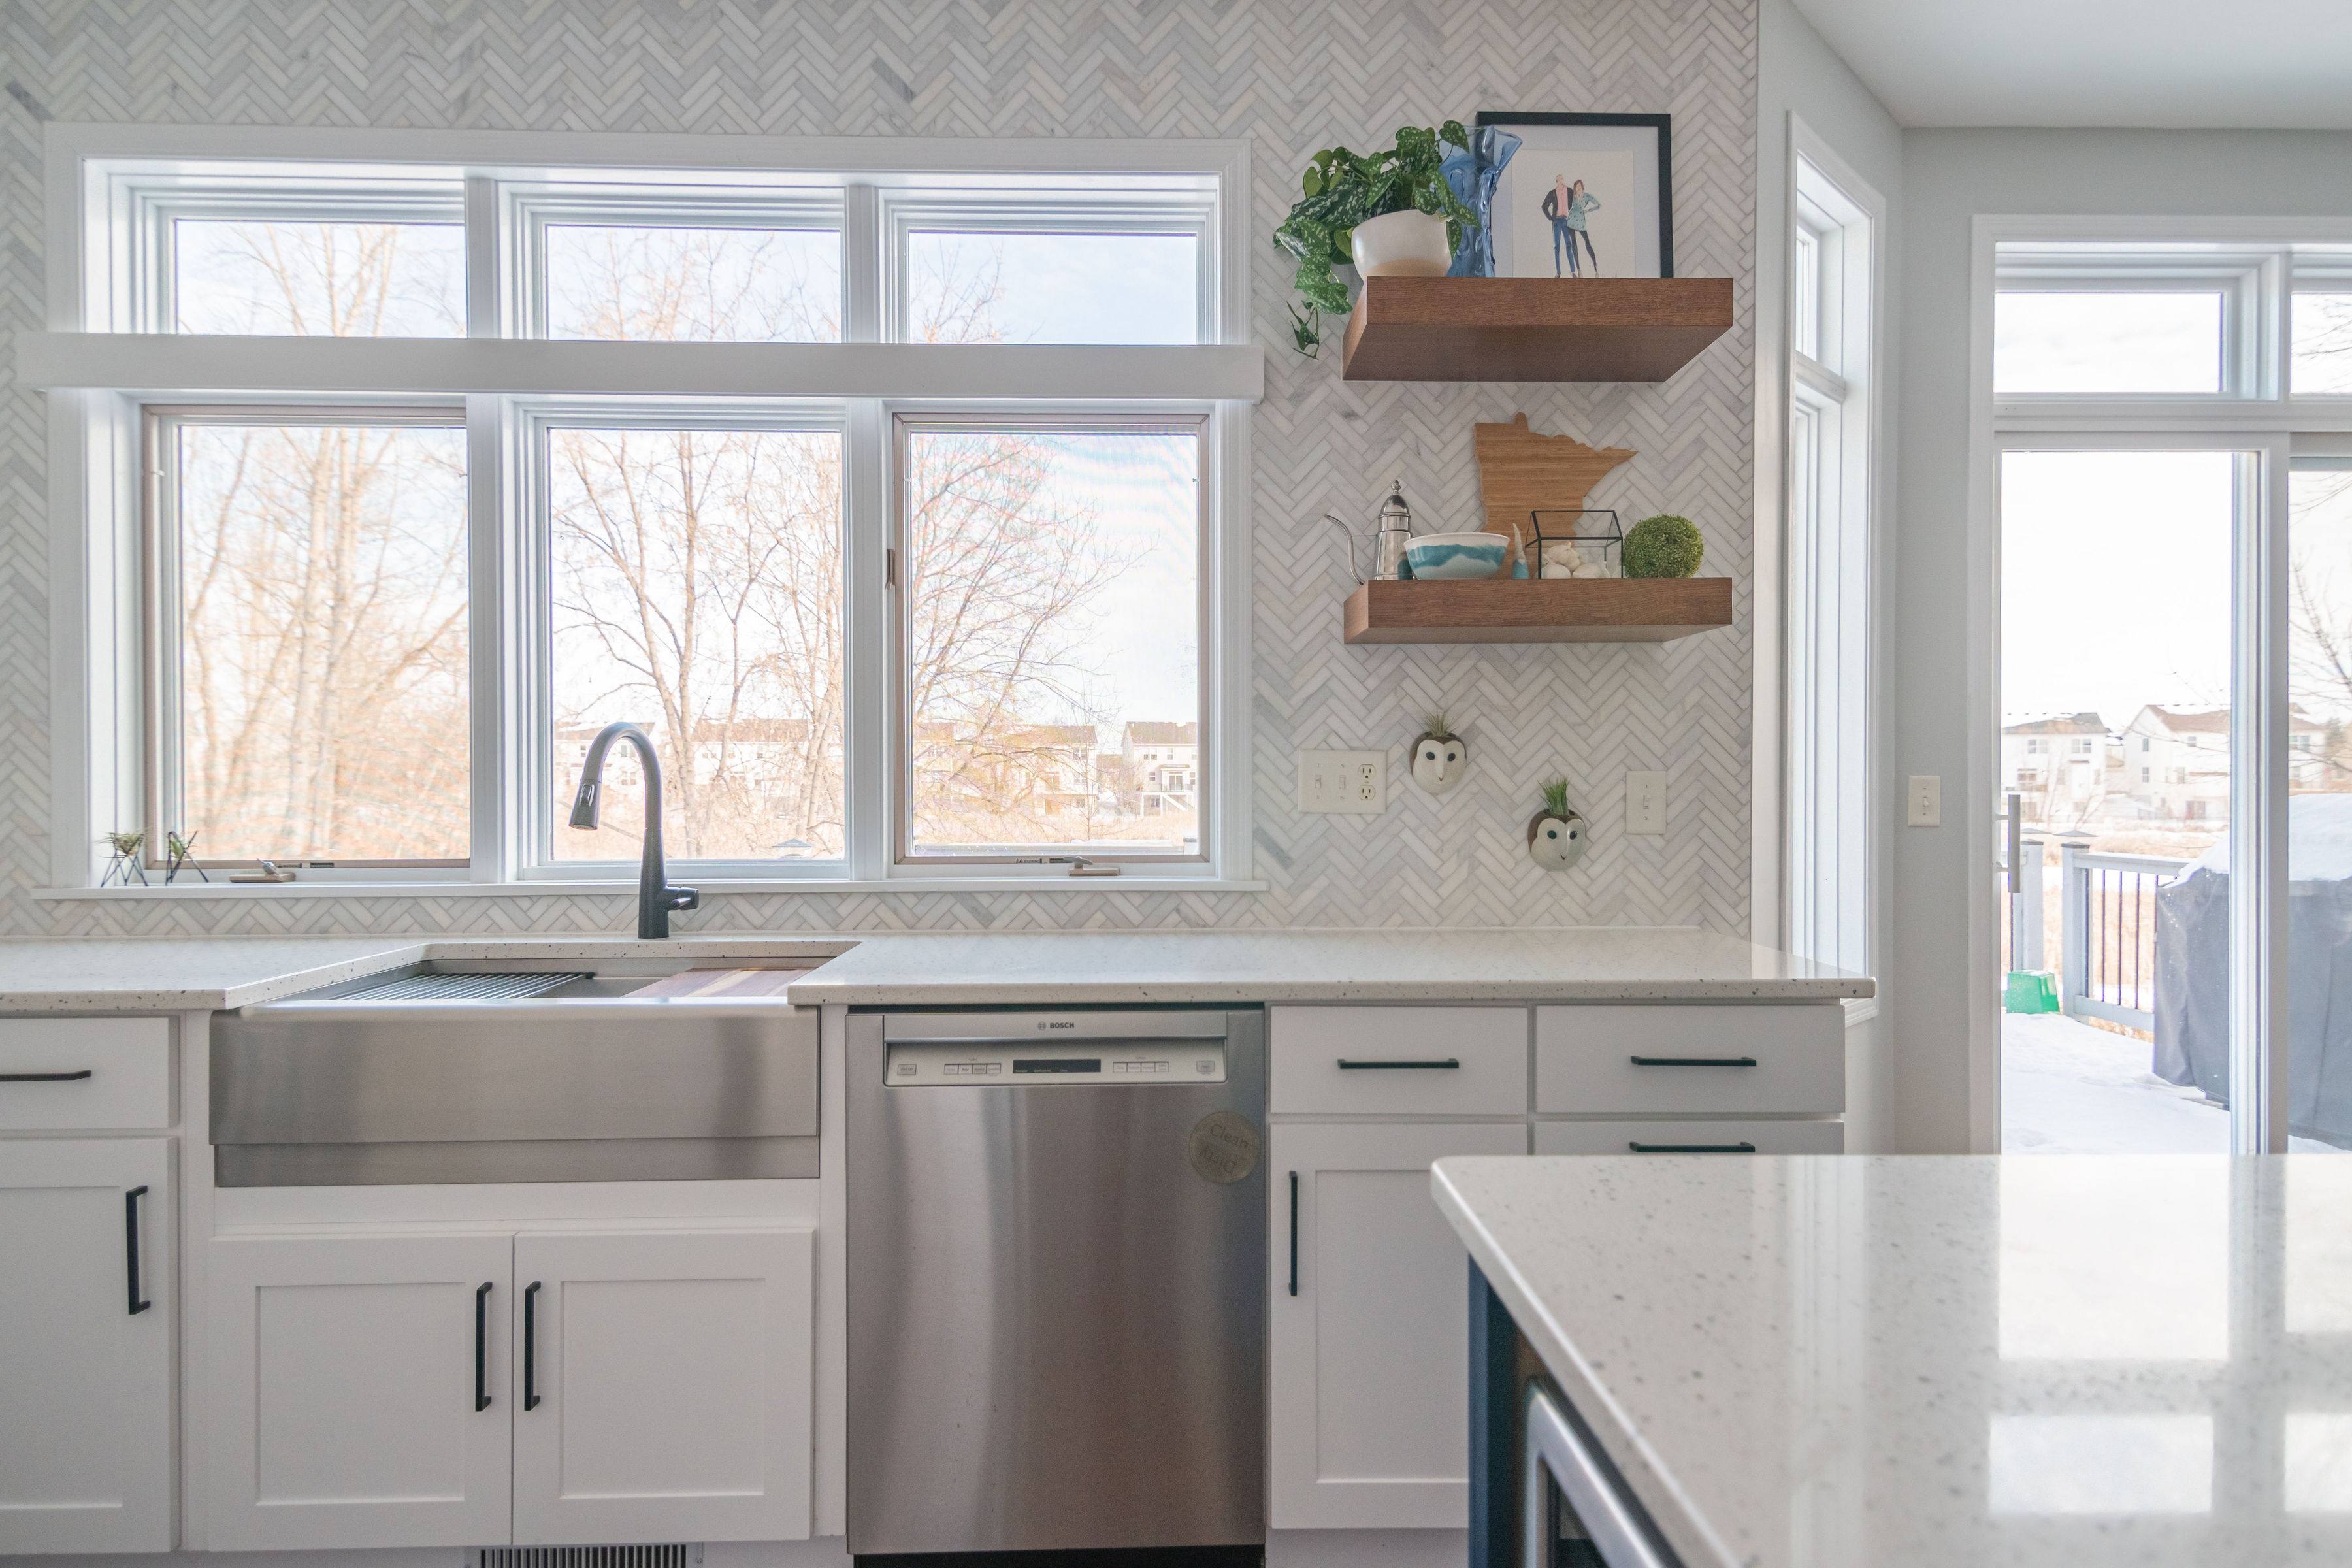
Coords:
1344,190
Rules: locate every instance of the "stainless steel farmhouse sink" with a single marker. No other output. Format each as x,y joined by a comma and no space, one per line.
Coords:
543,1071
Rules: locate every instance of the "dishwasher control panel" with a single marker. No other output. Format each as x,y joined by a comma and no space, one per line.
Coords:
1024,1064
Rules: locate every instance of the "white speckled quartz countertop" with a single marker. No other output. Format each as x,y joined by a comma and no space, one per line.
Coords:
1588,963
1598,963
2036,1361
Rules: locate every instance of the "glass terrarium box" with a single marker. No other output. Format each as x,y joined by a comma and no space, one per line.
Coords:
1583,542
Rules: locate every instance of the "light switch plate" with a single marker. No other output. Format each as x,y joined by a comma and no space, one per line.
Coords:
1356,782
1926,798
1645,804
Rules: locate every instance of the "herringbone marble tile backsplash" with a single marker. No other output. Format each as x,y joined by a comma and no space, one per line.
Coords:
1289,74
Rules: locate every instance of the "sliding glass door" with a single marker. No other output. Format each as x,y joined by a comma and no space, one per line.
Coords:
2117,792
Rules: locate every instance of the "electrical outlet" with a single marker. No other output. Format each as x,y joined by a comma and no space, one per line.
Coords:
1645,804
1925,797
1352,782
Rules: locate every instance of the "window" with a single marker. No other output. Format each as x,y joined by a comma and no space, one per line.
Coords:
2099,320
1832,377
683,265
2033,745
311,695
695,586
1051,616
884,620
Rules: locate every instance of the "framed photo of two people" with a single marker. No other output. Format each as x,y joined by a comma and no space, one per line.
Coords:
1581,196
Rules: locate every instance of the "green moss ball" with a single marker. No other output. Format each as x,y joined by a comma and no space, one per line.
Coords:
1663,546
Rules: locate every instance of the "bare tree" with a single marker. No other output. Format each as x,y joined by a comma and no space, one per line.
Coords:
322,592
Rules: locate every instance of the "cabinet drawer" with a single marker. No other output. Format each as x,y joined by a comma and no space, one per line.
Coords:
1408,1061
1662,1060
68,1074
1690,1137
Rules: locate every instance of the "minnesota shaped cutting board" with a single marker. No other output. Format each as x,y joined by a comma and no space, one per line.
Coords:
1520,472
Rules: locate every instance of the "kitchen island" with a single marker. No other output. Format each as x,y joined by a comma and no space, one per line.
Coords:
1930,1361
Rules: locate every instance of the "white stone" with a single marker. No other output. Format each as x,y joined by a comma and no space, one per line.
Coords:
2036,1361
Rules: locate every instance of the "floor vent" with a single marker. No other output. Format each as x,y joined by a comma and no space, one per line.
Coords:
676,1555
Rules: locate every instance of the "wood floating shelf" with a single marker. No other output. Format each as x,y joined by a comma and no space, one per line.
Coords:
1561,609
1533,329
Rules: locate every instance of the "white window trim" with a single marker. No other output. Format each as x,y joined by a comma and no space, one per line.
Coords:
1838,394
2275,426
96,379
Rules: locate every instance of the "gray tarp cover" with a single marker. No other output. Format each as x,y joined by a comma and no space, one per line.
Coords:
2193,971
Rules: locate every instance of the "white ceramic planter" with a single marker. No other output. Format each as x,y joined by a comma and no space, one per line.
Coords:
1402,244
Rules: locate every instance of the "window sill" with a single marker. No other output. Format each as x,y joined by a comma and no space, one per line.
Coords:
713,888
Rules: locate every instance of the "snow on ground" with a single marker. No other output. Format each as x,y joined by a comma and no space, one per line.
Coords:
2069,1089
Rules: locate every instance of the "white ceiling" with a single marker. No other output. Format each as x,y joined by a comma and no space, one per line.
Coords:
2205,63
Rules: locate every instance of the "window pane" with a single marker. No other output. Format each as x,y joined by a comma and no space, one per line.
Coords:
2319,807
1054,659
2115,729
319,279
980,288
321,637
694,284
2120,343
696,589
2322,365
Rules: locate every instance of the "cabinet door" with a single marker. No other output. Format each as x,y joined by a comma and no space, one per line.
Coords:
359,1391
663,1389
86,1381
1369,1382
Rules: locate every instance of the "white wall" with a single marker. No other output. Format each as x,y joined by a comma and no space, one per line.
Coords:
1799,74
1948,177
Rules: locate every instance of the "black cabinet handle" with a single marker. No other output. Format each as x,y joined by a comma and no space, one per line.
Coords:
44,1077
482,1347
1293,1233
1692,1148
138,1303
1691,1061
530,1345
1347,1066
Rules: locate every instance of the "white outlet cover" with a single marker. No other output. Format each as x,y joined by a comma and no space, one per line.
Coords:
1645,804
1353,784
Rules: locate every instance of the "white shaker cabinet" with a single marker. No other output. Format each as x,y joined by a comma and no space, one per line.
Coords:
1370,1343
86,1319
359,1391
662,1388
541,1388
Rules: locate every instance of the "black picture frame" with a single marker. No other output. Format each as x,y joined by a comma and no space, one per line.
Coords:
1661,123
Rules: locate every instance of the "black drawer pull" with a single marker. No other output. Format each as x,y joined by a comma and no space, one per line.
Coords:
1691,1061
1347,1066
44,1077
530,1345
482,1348
1692,1148
1293,1233
138,1303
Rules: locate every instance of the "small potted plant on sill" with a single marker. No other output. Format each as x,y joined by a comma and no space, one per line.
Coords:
1391,213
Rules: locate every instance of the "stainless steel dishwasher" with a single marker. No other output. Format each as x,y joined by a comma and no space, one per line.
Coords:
1056,1280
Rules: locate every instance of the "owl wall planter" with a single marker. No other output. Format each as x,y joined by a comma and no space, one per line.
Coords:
1556,835
1440,757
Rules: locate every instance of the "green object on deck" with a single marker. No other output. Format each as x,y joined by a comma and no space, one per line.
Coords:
2031,991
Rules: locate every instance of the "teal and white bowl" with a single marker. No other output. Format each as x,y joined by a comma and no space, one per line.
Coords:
1436,556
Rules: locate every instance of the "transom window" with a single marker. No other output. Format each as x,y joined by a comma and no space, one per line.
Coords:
921,627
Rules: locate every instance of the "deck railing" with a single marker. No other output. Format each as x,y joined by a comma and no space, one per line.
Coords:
2106,966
